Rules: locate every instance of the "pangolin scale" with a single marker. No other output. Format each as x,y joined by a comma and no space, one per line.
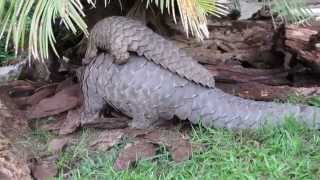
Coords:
149,93
121,35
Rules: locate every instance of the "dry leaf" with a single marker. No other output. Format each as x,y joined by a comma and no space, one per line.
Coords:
134,152
107,139
44,170
57,145
71,123
64,100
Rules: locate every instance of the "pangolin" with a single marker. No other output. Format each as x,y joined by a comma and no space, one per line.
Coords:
120,35
148,93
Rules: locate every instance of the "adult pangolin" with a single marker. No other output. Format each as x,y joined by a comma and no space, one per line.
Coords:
121,35
149,93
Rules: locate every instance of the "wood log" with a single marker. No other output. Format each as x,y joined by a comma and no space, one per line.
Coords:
246,41
239,74
304,42
262,92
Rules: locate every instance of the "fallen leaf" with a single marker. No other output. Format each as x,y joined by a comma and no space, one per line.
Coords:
21,83
12,119
134,133
35,98
107,139
55,125
181,151
71,123
20,87
166,137
98,121
64,100
134,152
44,170
57,145
177,143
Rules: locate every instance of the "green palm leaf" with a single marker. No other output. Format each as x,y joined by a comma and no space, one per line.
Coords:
290,11
44,13
34,19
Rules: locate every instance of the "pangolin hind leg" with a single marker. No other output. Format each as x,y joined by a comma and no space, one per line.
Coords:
120,54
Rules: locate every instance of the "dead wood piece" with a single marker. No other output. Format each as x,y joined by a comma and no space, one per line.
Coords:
25,83
181,151
238,74
107,139
132,153
54,126
57,145
11,118
144,143
35,98
298,33
64,100
136,133
257,91
23,90
108,123
303,41
246,41
307,91
20,88
64,84
261,92
71,123
177,143
38,96
44,170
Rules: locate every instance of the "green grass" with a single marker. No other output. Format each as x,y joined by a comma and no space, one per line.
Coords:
298,99
288,152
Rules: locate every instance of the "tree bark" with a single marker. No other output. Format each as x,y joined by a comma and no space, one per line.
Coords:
248,42
304,42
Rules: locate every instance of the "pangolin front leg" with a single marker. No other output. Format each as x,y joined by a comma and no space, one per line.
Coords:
120,53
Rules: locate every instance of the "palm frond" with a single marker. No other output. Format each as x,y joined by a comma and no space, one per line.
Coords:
290,11
15,15
43,13
192,13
